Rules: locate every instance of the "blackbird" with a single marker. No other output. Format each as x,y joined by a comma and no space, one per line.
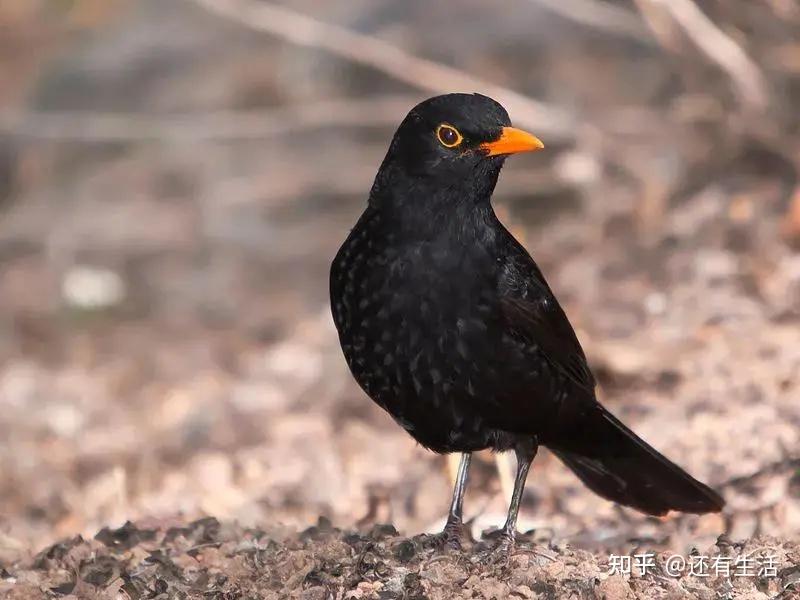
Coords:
447,323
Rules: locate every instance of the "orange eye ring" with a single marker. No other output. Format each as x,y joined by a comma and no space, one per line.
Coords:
449,137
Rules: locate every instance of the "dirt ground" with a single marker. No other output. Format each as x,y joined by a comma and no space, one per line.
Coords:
206,559
166,349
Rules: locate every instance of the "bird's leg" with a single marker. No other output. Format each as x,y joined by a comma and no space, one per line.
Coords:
525,451
453,528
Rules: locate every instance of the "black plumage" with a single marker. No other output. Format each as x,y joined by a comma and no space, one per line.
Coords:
448,324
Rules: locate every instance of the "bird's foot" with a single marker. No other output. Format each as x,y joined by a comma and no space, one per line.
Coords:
452,537
497,546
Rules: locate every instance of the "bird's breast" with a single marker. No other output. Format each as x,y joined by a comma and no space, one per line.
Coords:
412,316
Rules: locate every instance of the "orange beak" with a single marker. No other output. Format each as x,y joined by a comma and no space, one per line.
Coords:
511,141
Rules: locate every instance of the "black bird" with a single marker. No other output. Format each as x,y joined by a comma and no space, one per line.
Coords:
447,323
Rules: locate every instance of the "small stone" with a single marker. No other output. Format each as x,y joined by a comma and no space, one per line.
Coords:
405,551
92,288
614,588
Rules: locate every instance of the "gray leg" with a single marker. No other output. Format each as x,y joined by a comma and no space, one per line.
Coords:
452,530
526,451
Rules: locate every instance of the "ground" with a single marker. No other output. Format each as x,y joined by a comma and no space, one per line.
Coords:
206,559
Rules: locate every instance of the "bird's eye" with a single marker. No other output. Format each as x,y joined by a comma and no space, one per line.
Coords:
448,136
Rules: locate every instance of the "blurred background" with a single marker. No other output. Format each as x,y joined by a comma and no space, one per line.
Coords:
176,176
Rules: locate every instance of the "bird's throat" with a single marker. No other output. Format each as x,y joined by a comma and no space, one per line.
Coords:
431,207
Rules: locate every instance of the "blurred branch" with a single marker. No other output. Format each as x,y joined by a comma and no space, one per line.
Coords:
781,466
600,15
712,41
258,124
360,48
515,183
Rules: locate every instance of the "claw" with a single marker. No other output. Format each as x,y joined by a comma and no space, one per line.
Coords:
498,547
505,546
452,536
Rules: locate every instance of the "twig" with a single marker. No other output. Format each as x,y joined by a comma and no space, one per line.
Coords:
363,49
713,42
236,125
515,182
600,15
787,464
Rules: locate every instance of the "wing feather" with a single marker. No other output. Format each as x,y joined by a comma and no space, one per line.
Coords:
531,313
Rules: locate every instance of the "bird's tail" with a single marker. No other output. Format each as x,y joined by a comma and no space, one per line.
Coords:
619,466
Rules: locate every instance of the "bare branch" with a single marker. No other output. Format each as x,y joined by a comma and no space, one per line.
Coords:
713,42
420,73
600,15
230,125
782,466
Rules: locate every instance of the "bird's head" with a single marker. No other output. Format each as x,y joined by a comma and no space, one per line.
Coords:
454,141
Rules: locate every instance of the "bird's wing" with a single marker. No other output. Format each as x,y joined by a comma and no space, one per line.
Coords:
531,313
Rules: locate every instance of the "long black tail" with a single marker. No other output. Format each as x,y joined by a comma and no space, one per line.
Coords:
619,466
